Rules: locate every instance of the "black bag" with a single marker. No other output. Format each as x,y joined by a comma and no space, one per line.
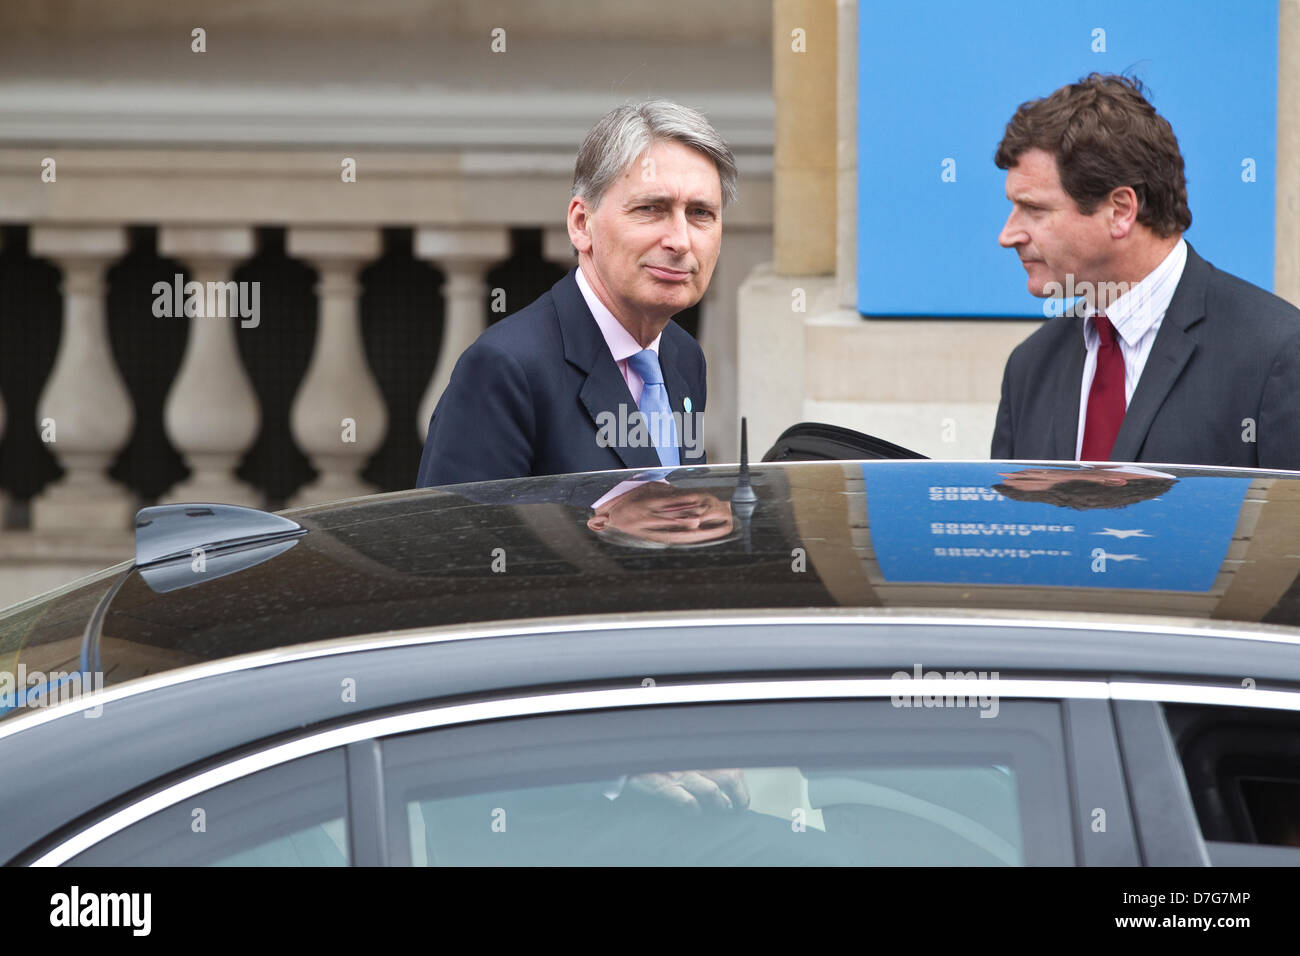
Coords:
812,441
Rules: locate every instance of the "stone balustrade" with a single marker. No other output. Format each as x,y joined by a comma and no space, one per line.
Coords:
465,220
212,414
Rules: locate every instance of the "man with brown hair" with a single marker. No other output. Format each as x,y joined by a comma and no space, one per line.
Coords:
1165,358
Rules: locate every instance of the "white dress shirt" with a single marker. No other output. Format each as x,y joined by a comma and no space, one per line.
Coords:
1136,316
620,341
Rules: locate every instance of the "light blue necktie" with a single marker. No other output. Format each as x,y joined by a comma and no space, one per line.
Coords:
654,406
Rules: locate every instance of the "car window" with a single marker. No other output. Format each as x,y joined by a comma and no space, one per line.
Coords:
827,783
1243,772
289,815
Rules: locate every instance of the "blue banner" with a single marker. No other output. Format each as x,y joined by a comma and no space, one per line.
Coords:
938,81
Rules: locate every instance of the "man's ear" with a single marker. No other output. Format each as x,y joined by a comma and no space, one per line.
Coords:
579,221
1123,211
598,522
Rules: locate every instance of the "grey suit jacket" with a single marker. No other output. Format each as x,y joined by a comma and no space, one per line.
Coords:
1220,387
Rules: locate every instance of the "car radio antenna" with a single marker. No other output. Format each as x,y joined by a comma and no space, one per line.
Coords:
743,499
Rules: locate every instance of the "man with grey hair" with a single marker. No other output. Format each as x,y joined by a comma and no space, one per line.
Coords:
595,375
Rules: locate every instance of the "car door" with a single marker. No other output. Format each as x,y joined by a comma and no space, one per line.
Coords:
819,772
1214,783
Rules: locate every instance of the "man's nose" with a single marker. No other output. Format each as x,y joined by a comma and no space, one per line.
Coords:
677,235
1012,233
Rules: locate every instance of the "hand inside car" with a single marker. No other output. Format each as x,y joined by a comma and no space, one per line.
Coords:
695,790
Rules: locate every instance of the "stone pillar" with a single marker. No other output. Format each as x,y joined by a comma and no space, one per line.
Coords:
4,499
557,249
846,158
464,256
804,87
84,411
211,414
743,250
338,416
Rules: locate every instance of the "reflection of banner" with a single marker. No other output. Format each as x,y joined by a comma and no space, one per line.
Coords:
942,522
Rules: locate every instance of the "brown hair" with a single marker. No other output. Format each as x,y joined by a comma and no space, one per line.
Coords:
1104,134
1087,495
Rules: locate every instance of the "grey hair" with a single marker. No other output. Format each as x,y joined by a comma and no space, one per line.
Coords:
622,538
625,132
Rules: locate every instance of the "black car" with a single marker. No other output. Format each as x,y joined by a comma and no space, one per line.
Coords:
878,662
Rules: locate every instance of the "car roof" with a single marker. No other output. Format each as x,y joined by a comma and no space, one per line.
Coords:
1207,545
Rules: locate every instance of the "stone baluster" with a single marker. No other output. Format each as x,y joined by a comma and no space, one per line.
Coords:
211,413
84,412
338,416
464,256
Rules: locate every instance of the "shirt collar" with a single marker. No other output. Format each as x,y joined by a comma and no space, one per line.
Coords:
1135,312
619,340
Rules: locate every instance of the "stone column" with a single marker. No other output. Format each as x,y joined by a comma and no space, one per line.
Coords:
743,250
85,411
211,414
804,86
4,499
557,249
846,157
464,256
338,416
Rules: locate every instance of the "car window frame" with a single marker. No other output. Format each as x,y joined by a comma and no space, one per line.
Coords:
304,795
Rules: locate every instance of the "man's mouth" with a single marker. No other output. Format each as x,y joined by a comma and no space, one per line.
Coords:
671,275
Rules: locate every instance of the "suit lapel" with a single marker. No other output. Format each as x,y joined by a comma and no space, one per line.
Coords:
678,390
604,389
1170,354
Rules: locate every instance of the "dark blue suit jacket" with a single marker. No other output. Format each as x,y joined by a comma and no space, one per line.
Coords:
527,396
1220,387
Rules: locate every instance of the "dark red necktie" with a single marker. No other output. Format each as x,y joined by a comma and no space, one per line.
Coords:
1106,397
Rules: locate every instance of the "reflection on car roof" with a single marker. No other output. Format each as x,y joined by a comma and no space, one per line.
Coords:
1039,539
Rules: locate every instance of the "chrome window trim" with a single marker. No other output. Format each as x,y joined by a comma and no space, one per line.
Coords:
656,695
385,640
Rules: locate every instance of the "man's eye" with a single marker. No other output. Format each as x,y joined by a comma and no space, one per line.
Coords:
704,213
